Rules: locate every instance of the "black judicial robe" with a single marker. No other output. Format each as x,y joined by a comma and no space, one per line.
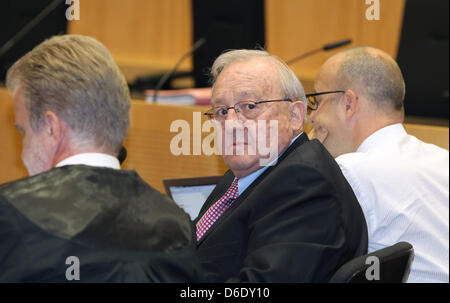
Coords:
299,221
118,227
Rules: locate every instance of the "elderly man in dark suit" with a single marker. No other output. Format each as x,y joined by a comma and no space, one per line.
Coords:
283,214
78,216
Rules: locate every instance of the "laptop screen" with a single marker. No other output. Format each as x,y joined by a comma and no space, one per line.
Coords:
191,193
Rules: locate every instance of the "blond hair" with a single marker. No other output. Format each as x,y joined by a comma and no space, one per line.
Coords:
75,77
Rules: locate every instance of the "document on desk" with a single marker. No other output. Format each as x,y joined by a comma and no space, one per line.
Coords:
188,96
181,99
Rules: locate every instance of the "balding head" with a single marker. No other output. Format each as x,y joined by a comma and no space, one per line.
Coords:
370,96
369,71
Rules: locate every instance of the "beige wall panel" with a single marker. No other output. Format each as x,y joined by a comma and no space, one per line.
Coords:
144,36
294,27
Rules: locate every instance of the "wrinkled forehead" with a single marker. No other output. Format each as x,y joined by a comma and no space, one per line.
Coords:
254,79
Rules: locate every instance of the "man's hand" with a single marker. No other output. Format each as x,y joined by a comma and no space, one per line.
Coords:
318,133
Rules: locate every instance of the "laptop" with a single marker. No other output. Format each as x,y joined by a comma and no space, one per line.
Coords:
190,193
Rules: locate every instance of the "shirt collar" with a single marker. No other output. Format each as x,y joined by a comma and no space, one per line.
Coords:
245,182
91,159
383,135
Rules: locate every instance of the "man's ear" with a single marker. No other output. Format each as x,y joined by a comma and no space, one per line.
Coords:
53,128
297,110
351,103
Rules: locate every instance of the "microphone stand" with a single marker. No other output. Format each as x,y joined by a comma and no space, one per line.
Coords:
326,47
168,74
289,62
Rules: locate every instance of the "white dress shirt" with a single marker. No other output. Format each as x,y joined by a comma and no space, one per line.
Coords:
91,159
402,185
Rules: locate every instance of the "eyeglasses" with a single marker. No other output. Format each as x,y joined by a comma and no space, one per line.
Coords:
247,109
313,103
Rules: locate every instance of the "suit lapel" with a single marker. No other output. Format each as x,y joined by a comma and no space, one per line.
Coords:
299,141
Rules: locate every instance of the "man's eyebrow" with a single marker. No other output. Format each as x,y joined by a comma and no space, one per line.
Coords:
244,95
217,101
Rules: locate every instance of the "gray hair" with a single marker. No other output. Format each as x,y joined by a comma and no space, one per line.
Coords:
76,77
290,85
378,76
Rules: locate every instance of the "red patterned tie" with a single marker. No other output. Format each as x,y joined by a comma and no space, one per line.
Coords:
217,209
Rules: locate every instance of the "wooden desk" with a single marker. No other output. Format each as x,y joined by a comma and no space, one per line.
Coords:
148,143
438,135
11,167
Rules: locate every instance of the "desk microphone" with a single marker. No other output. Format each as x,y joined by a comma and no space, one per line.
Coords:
169,74
326,47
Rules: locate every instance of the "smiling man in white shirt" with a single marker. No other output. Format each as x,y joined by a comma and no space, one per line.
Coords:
401,182
71,105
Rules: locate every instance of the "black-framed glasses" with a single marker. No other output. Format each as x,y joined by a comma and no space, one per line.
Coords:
313,103
247,109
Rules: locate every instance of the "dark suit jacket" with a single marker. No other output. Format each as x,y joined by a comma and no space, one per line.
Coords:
297,222
119,228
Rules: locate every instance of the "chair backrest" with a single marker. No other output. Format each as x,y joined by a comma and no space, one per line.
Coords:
388,265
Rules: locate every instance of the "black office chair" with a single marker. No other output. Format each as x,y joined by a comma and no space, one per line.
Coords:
394,266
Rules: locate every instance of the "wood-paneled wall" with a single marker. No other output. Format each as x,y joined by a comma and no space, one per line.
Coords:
294,27
149,139
144,36
148,36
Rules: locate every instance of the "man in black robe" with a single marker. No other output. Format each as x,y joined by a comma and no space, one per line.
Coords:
78,217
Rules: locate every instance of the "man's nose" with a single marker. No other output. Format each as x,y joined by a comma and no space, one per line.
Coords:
232,114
